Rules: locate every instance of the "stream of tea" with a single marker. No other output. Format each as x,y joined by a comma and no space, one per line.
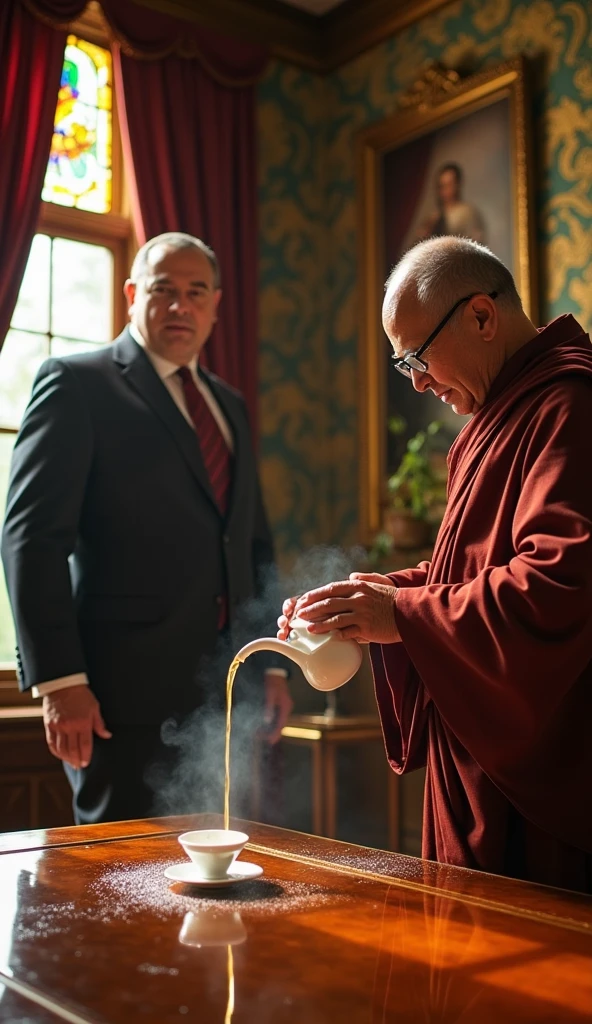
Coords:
229,687
230,1003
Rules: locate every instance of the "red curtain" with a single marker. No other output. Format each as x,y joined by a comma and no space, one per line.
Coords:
187,101
31,56
143,32
191,143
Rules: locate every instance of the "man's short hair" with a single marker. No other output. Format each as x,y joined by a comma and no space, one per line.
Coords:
443,270
173,240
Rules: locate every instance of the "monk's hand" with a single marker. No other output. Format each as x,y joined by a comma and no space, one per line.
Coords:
286,617
70,717
361,608
278,703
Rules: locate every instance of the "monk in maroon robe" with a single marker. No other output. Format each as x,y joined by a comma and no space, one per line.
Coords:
482,658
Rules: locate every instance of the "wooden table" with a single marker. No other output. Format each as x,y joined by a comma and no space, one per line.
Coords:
91,931
324,735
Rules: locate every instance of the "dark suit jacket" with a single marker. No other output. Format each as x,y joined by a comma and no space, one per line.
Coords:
116,555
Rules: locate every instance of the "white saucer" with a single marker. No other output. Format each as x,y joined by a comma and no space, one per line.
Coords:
241,871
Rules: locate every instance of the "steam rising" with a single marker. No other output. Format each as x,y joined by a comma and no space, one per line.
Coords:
196,781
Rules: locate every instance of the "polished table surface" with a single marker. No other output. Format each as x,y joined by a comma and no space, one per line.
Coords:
91,930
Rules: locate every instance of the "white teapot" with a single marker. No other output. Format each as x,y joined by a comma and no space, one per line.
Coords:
326,660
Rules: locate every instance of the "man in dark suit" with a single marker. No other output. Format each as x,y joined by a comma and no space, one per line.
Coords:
134,533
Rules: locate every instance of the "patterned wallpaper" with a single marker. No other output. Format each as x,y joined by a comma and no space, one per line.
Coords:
294,320
309,297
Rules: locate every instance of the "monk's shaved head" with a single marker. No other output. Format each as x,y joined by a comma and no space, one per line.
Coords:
453,317
436,273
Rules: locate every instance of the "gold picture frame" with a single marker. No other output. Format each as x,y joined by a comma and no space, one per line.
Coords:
440,99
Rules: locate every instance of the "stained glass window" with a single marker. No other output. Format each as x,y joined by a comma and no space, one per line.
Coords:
79,168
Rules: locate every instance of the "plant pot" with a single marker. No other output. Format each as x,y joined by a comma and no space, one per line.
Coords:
406,531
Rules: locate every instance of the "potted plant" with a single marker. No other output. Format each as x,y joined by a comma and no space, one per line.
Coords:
416,490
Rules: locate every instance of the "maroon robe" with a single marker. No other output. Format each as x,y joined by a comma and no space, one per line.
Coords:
491,688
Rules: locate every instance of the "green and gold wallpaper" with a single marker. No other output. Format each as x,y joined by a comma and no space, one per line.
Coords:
308,248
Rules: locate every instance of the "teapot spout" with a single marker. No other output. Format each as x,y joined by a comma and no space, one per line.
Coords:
271,643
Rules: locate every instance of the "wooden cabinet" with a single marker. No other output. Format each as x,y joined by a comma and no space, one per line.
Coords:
34,792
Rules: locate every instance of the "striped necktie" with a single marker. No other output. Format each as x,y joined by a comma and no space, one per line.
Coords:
214,450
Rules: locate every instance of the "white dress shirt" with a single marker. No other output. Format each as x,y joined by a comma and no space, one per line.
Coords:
167,372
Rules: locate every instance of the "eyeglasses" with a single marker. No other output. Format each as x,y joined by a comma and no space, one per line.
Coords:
412,360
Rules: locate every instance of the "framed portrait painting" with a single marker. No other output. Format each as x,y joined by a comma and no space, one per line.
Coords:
455,159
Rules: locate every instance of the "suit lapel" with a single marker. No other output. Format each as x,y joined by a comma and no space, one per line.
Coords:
139,373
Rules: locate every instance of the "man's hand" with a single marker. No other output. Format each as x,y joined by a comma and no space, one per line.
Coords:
278,703
70,717
361,608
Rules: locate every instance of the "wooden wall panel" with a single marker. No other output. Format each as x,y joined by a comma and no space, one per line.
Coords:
34,792
318,43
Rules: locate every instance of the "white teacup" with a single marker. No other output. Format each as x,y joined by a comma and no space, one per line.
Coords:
210,927
213,850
